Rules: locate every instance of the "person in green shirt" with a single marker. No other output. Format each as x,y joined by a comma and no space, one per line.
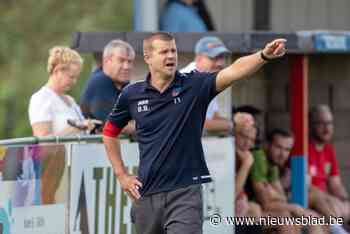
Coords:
266,177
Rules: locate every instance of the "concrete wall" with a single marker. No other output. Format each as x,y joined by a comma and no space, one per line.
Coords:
289,16
285,15
232,15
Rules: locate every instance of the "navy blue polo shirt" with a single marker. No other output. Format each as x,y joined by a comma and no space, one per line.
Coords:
169,129
98,96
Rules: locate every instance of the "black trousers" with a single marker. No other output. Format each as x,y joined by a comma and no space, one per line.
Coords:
175,212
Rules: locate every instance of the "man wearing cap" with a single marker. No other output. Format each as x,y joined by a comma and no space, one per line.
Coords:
210,57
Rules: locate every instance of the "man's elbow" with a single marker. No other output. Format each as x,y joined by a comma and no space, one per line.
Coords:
110,130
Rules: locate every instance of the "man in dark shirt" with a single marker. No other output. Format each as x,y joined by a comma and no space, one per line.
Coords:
169,109
106,82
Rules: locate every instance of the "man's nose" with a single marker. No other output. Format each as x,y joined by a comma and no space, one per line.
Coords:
170,54
126,65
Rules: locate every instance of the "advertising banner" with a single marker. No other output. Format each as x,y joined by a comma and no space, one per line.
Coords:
33,189
98,205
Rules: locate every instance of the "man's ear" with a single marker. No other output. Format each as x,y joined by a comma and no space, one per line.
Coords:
198,58
106,59
146,56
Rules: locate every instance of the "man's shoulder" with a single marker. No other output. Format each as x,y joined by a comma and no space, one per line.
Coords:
191,67
329,146
260,158
135,87
194,76
329,150
99,78
260,154
96,84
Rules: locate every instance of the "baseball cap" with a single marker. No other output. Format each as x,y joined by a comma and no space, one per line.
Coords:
211,46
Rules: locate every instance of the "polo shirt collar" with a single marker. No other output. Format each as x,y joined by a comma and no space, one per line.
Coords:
177,82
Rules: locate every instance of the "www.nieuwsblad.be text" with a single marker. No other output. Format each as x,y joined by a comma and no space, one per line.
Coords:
217,219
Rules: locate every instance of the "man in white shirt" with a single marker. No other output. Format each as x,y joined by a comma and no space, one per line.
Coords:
210,57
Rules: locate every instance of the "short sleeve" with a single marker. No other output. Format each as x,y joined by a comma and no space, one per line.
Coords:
208,85
334,171
40,110
85,102
97,105
76,107
98,97
212,109
120,115
259,168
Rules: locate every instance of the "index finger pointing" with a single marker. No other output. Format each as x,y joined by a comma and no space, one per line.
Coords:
280,40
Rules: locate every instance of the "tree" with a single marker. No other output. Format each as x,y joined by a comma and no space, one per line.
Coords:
29,29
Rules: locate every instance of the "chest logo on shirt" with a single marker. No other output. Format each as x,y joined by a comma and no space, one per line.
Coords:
143,106
327,168
175,93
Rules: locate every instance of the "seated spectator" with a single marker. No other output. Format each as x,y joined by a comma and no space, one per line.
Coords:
256,113
185,16
266,176
107,81
50,108
245,133
210,57
328,194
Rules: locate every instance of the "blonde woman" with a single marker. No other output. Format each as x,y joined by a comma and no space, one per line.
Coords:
50,109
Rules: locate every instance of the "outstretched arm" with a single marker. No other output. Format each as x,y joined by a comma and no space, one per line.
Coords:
247,65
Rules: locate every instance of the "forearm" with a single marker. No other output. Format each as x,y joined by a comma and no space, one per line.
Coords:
277,186
218,125
45,129
241,178
261,196
241,68
266,194
339,191
68,131
112,146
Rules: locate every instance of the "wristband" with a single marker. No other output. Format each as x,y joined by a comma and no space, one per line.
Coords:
266,59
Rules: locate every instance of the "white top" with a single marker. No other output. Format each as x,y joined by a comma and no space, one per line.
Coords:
47,106
213,106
